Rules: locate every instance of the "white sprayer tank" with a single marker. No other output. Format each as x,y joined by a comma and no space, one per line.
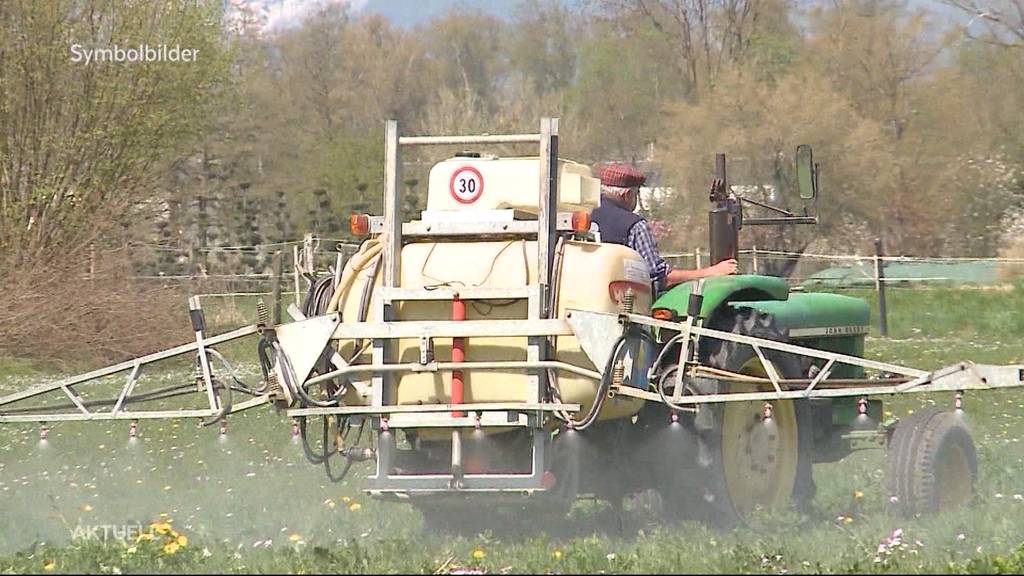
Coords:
592,276
492,183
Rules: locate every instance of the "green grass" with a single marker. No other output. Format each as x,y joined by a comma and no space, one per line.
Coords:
252,503
17,367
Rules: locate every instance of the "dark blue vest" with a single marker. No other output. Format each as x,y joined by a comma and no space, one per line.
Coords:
613,221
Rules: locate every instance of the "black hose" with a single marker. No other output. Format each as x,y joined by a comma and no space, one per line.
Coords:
241,385
665,349
225,399
323,458
556,278
318,296
606,382
327,456
313,457
297,389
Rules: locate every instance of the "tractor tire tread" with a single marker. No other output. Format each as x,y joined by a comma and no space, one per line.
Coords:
917,443
729,355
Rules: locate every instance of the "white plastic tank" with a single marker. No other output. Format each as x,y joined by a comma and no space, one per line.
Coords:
493,183
589,278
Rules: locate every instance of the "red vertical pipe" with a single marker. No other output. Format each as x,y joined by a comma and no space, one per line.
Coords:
458,355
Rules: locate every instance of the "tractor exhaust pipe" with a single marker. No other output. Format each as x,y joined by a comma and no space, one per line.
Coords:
725,217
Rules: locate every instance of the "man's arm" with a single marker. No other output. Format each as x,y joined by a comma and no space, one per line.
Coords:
678,275
642,240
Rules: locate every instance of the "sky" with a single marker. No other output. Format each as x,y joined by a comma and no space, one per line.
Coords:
281,14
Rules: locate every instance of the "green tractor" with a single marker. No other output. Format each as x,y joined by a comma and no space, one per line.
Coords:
725,462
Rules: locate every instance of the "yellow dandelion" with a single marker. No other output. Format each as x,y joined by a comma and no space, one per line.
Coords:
182,540
87,508
295,537
330,503
557,554
479,554
847,520
161,527
355,506
346,499
166,488
171,547
857,494
147,536
49,565
910,411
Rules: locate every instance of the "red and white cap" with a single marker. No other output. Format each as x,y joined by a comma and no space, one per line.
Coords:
621,175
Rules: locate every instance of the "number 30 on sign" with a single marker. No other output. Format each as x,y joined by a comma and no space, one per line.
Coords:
467,185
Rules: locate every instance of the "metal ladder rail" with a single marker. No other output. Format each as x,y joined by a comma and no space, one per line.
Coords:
383,349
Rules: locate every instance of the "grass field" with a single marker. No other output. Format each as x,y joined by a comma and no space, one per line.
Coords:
251,503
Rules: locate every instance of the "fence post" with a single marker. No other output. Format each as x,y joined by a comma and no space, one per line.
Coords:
753,256
883,321
295,269
275,285
308,255
696,257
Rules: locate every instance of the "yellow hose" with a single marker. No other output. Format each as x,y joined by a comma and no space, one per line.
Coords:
357,263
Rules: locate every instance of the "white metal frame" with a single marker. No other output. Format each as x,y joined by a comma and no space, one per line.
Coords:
10,413
538,327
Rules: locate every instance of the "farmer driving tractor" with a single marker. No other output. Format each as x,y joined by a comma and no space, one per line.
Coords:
618,224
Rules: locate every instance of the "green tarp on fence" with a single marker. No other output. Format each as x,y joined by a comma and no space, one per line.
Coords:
863,273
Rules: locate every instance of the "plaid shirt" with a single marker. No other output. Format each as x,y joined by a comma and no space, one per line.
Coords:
642,240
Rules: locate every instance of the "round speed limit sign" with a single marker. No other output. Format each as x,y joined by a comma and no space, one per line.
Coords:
467,184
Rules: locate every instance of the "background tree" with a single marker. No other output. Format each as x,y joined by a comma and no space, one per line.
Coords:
84,146
915,122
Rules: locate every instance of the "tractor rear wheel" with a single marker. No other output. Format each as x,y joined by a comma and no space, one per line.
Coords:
932,464
745,463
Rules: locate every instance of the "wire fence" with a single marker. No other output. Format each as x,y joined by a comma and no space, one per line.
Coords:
234,276
242,270
247,270
855,271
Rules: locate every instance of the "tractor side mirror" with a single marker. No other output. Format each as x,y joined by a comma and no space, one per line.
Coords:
806,172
